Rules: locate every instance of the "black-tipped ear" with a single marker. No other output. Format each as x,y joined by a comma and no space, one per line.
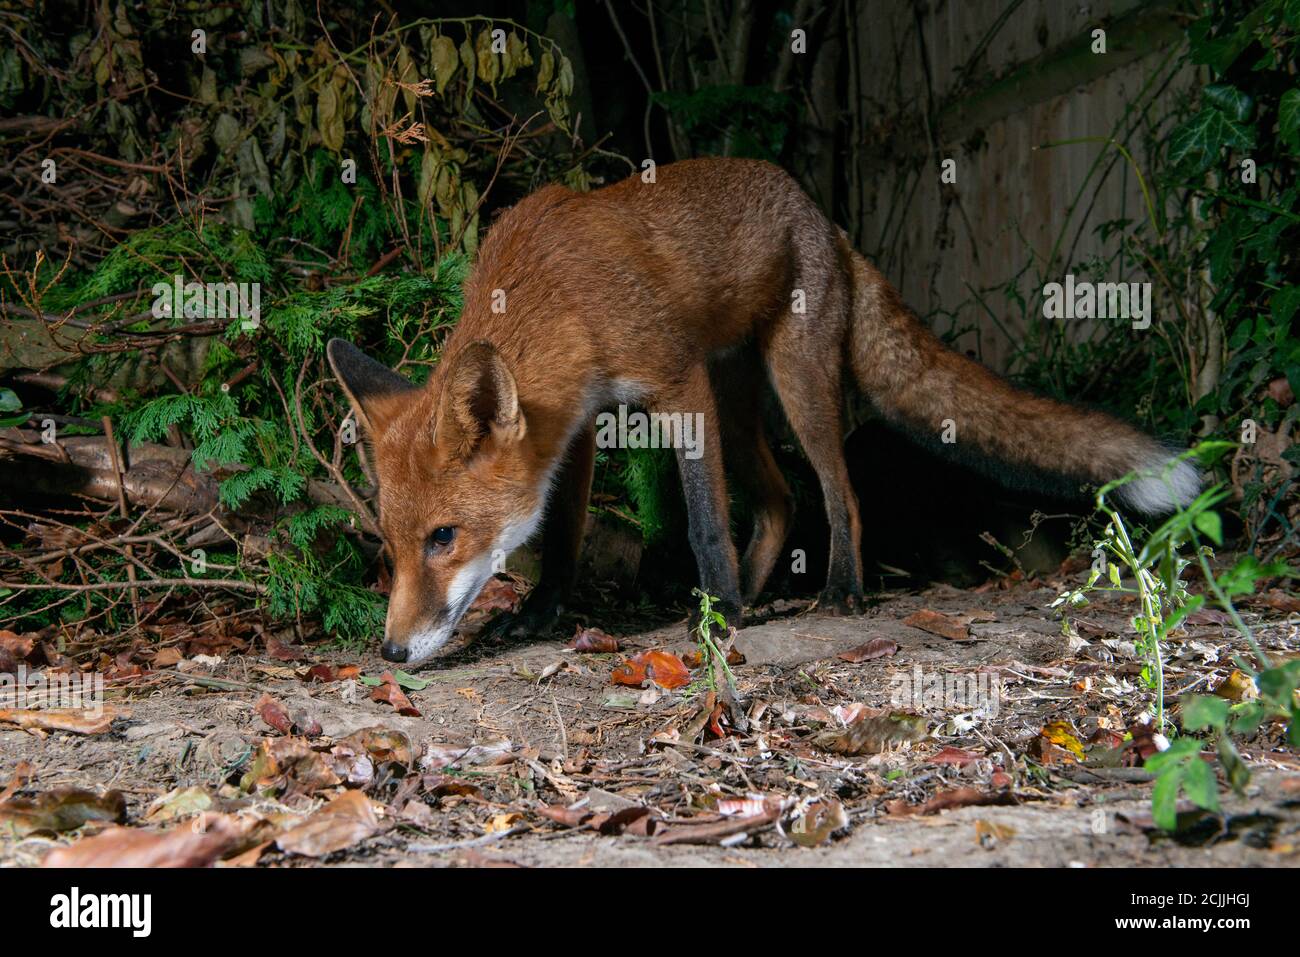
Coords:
480,402
366,382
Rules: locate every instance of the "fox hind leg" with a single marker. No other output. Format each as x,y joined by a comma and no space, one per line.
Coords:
811,391
738,383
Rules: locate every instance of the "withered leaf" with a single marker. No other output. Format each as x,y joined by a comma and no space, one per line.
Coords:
817,823
273,714
945,626
660,667
874,734
62,809
74,720
346,820
875,648
593,640
182,846
390,692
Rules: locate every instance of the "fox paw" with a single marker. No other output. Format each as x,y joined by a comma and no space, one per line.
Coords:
538,621
837,601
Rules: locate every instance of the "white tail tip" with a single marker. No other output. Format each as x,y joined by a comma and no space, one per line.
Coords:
1162,486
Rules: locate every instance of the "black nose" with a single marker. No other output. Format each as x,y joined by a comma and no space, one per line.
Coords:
392,652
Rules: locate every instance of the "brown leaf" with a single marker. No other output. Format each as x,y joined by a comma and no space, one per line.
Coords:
593,640
497,594
14,648
63,809
74,720
711,830
946,800
23,775
354,758
663,668
288,764
278,650
954,756
1279,601
273,714
1238,686
875,648
166,657
182,846
568,816
954,629
693,658
391,693
874,734
817,824
1279,391
346,820
323,673
438,756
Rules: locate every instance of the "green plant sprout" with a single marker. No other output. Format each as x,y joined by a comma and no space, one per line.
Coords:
1165,602
712,657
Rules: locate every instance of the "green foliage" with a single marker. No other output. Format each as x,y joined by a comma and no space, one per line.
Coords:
1217,237
1155,570
9,402
713,660
756,118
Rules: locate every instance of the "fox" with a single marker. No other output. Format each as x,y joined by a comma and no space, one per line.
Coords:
690,294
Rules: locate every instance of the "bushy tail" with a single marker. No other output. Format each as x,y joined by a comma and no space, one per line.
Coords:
919,383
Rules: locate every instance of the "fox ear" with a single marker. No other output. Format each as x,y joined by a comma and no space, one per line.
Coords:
371,386
479,410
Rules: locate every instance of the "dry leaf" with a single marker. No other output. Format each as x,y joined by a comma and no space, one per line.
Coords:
954,756
661,667
273,714
945,626
502,822
1238,686
1061,734
62,809
346,820
874,734
177,804
875,648
497,594
74,720
593,640
391,693
817,823
182,846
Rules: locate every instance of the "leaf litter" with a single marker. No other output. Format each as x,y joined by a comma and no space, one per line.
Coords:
490,751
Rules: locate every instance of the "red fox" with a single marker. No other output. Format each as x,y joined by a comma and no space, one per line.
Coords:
628,294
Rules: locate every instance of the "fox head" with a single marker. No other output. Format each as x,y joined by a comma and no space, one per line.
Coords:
458,484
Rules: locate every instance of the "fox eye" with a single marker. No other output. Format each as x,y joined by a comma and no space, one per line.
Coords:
442,537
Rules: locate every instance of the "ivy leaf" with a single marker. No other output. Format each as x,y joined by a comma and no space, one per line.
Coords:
1231,101
9,401
1198,142
1288,118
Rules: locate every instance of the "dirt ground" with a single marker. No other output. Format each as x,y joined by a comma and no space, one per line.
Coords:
529,754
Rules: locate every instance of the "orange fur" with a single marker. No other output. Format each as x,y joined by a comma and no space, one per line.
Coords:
630,293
